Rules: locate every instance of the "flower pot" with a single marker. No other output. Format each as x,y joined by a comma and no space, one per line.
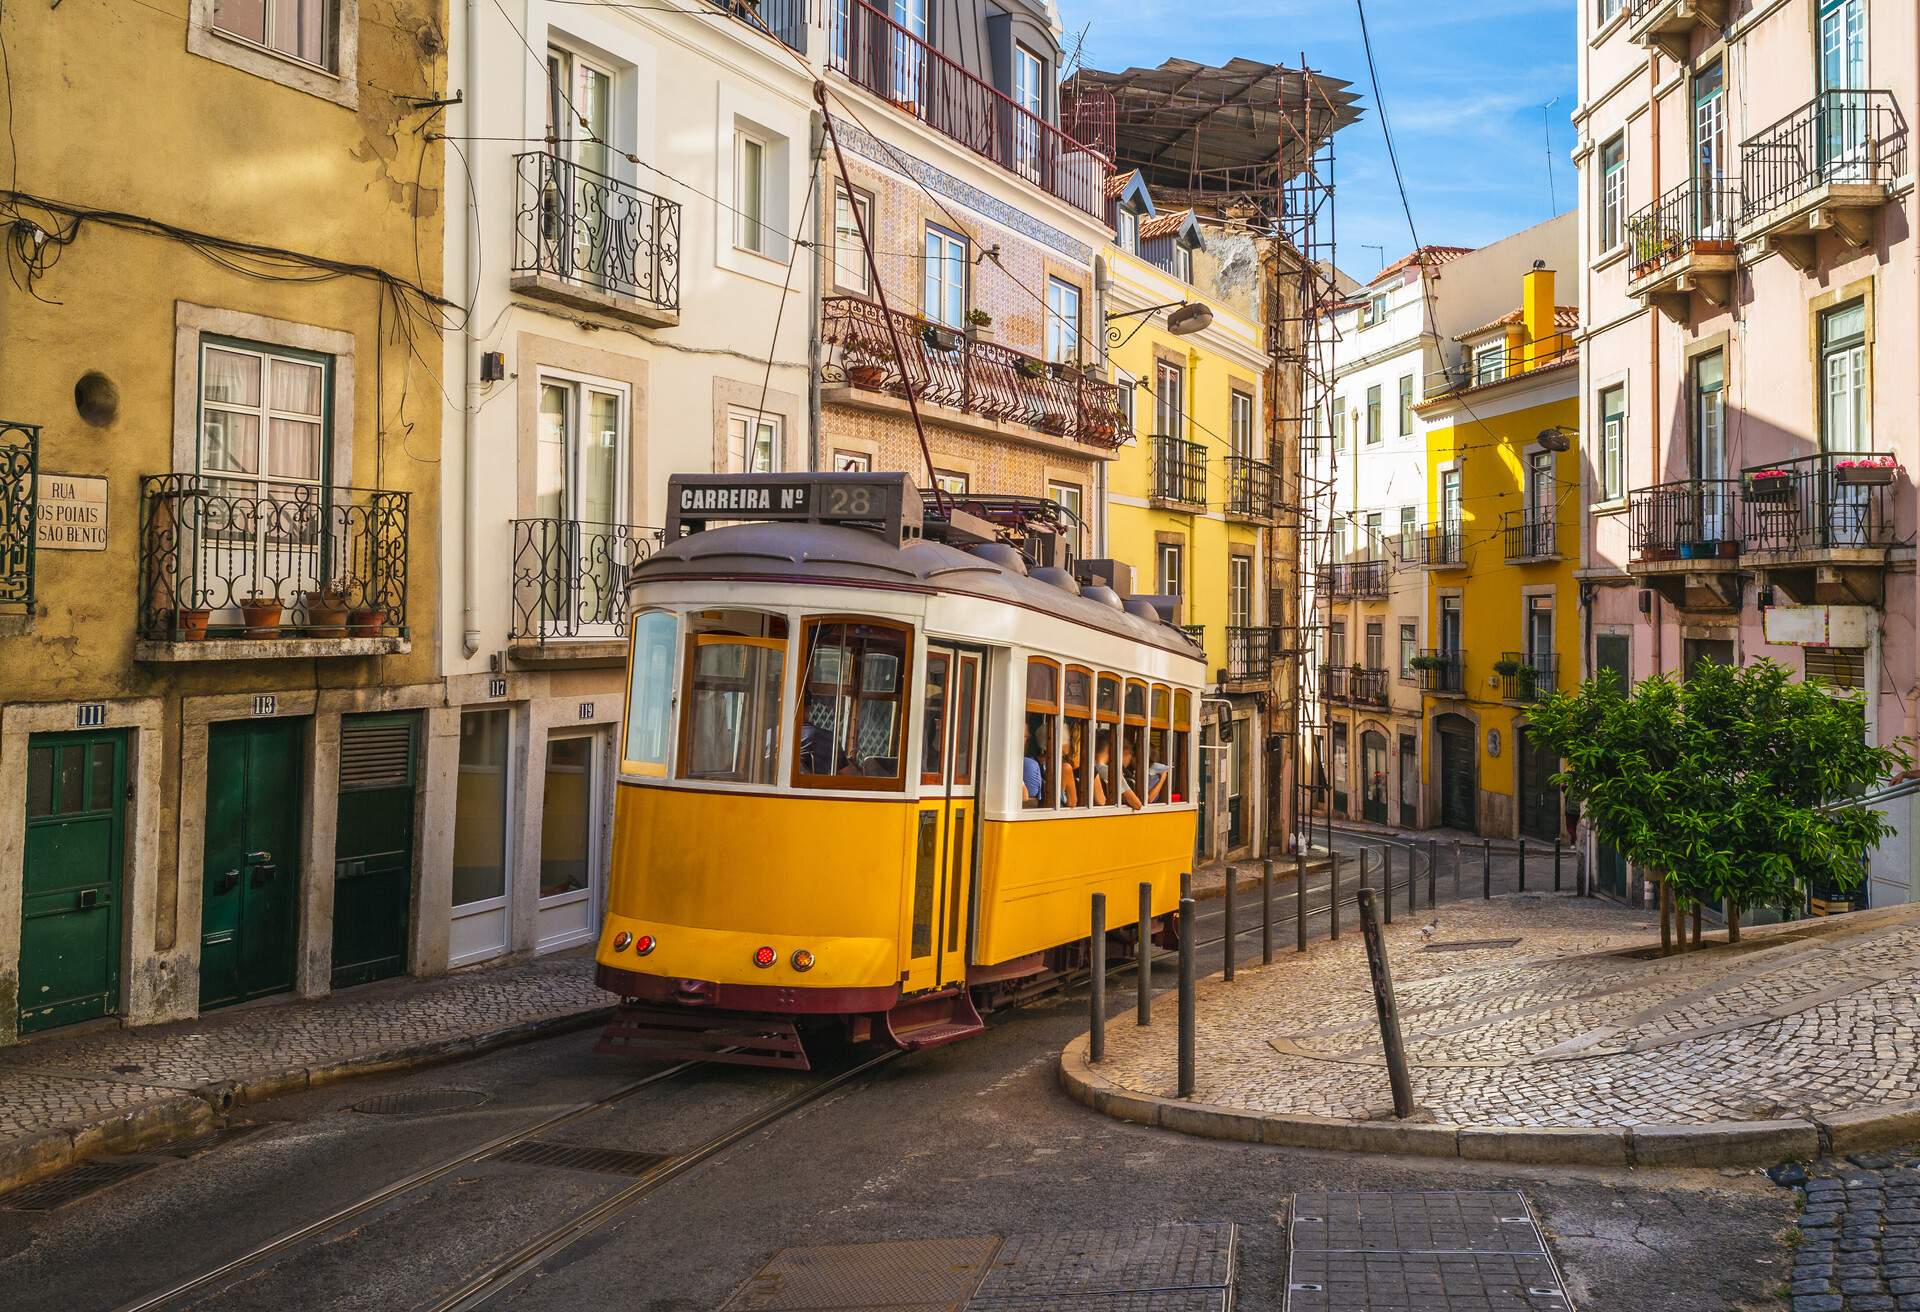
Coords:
1689,550
1769,489
1727,550
190,623
369,622
869,376
1054,424
326,616
262,616
1865,475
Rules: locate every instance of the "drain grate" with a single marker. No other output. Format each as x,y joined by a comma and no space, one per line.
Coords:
1471,945
924,1275
420,1102
579,1157
73,1184
189,1149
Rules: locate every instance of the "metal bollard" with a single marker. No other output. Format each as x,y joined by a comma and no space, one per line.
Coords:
1456,869
1186,884
1186,997
1388,1012
1143,984
1233,921
1523,865
1333,897
1556,865
1486,868
1266,912
1413,870
1097,997
1433,873
1300,903
1386,881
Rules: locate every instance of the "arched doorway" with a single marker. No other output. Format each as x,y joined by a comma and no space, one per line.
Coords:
1539,799
1373,776
1453,735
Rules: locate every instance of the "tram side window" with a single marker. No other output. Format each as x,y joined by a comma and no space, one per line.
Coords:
1134,776
852,681
733,715
650,693
1106,746
1160,744
1076,749
1043,714
1182,745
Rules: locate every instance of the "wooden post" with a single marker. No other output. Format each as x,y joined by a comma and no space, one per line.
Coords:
1382,974
1733,921
1666,921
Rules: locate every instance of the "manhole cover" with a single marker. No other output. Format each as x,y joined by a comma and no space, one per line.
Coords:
72,1184
579,1157
420,1102
1471,945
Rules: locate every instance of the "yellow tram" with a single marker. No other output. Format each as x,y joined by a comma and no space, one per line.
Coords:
874,765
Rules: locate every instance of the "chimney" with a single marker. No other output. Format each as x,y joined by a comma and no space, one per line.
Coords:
1537,314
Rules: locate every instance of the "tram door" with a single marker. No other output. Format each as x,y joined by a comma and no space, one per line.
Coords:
943,848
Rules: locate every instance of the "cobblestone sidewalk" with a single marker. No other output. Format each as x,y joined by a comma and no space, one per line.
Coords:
1543,1011
1859,1236
63,1097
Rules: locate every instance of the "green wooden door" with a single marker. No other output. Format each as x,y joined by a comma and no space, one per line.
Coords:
250,904
76,839
373,847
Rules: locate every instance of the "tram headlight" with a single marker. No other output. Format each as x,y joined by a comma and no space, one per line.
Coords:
621,940
765,956
645,944
802,959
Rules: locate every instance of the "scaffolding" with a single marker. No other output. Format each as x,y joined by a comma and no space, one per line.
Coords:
1251,144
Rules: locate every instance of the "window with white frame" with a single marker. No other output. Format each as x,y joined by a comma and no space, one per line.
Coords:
945,295
306,30
852,462
1029,92
1604,11
753,443
1128,385
1613,192
953,483
1490,362
1406,405
1172,568
1375,433
580,450
263,415
1613,443
1183,262
1071,498
1240,429
1169,400
1844,423
1127,230
1339,423
1409,647
1409,530
1240,591
1063,321
750,226
850,269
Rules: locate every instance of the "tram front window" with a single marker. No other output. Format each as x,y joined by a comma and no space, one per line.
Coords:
733,721
852,680
650,698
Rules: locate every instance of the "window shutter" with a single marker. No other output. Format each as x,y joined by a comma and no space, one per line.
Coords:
1844,667
375,754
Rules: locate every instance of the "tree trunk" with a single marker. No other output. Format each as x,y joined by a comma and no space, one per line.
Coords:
1696,924
1733,921
1666,923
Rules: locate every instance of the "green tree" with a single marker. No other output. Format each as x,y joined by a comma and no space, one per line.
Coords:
1729,786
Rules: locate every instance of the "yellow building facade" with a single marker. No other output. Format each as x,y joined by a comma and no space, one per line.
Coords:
1503,604
1190,504
213,752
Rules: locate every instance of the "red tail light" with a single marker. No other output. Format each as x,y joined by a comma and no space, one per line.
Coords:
764,957
645,944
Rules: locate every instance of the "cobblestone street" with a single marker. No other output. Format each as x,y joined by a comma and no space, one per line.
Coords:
1548,1011
1859,1236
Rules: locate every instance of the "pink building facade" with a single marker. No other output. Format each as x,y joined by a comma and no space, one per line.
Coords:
1750,356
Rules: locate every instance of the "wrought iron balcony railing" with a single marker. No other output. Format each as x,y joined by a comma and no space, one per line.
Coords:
1527,676
1367,685
570,577
1252,488
1694,519
872,50
596,232
258,558
1179,471
1698,213
1333,682
1530,534
1832,501
1440,546
980,378
1198,632
1838,137
784,20
19,513
1441,670
1352,578
1249,652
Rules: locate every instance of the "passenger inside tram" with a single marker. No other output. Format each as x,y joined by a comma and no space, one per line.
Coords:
1070,765
1102,756
1034,783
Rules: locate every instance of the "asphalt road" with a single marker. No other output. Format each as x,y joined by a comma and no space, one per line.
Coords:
974,1138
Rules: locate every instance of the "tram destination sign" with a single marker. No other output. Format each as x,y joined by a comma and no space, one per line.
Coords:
886,503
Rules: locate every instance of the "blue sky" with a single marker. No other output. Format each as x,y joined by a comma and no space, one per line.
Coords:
1464,86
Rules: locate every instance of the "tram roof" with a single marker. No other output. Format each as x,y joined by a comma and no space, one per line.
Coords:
828,554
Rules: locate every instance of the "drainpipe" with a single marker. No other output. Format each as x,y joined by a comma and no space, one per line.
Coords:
469,391
828,188
1653,332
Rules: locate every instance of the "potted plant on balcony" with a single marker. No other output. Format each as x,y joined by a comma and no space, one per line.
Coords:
1427,664
190,623
366,621
1770,484
865,366
979,325
261,613
939,337
1029,368
1865,470
1506,667
326,609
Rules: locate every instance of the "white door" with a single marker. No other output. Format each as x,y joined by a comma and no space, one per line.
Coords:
580,504
478,927
1843,109
571,851
909,51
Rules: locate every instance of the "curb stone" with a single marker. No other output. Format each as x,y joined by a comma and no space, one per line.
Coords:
173,1117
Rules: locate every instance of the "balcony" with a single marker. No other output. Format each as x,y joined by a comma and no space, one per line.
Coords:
1179,474
1333,682
1442,671
1440,546
994,384
1366,685
1252,489
247,569
1531,536
871,50
1669,25
1825,168
1682,244
592,242
1684,542
19,514
570,588
1820,527
783,20
1352,579
1249,653
1527,677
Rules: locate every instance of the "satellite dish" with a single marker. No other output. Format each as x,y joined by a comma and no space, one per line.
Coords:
1553,439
